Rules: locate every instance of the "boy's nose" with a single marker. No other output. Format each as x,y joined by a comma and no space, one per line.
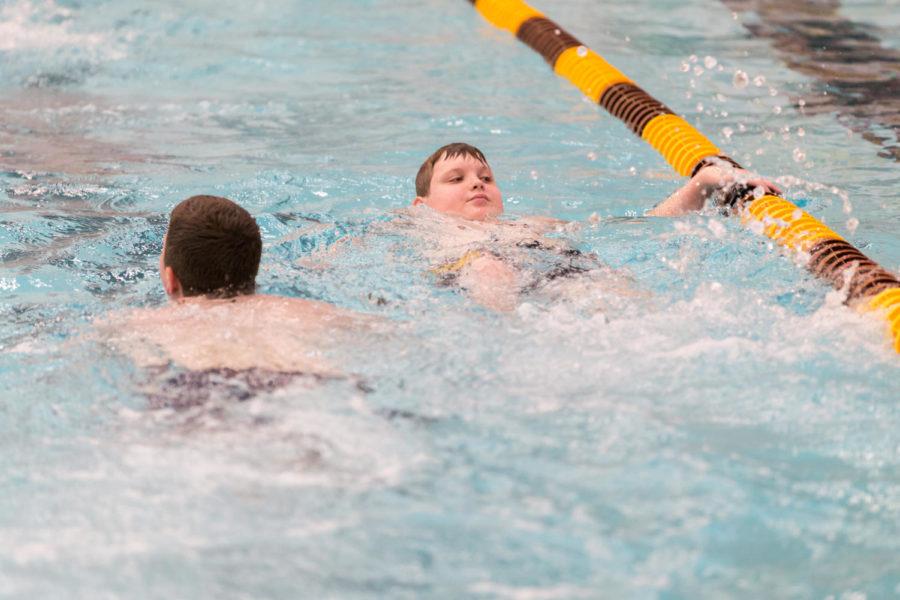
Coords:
477,183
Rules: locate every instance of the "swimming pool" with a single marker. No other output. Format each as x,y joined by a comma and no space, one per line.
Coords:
733,435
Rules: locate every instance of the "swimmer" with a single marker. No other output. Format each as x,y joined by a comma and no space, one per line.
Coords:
215,326
457,181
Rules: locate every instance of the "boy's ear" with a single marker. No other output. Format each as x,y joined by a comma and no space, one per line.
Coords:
418,201
171,283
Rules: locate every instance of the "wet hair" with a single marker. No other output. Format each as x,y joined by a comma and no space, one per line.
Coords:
213,246
423,177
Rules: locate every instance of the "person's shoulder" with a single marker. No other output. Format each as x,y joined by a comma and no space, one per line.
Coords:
315,311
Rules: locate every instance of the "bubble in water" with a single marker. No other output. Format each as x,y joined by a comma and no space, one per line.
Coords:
721,98
801,132
685,67
801,102
799,155
699,107
632,171
688,95
773,91
742,128
710,62
698,70
692,58
847,205
768,135
759,81
582,51
740,79
592,155
852,224
727,132
534,174
776,110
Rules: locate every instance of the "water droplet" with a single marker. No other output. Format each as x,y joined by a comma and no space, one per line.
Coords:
557,32
721,98
632,171
801,132
759,81
534,174
699,107
709,62
727,132
627,38
768,135
740,79
742,128
801,102
773,91
692,58
852,224
799,155
685,67
776,110
582,51
847,205
698,70
592,155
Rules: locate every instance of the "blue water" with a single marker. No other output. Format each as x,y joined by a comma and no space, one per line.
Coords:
733,434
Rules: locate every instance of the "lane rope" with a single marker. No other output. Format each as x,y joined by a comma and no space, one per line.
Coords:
868,285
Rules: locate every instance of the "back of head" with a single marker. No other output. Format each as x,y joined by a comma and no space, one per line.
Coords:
213,246
426,171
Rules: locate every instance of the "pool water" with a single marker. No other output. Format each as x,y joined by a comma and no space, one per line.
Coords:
731,434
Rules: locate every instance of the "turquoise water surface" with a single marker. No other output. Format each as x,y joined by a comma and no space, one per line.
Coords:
732,434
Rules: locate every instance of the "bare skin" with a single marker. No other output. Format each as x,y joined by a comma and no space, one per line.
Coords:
247,332
693,195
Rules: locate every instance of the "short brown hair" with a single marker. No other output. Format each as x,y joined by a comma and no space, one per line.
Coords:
423,177
213,246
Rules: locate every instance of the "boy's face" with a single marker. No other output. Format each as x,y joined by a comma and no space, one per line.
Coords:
463,186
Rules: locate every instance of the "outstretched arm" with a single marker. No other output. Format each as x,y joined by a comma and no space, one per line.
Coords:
709,180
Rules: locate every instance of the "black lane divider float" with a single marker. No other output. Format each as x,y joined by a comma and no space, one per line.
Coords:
868,285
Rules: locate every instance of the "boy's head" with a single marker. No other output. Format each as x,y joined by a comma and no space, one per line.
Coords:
212,248
457,180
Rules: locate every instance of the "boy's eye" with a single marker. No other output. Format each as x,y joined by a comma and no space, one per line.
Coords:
456,178
487,178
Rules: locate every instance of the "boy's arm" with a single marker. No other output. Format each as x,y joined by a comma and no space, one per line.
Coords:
709,180
491,282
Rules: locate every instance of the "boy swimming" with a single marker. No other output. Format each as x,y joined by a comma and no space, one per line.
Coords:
457,181
216,328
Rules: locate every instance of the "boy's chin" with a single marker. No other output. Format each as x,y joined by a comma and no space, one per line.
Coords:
481,213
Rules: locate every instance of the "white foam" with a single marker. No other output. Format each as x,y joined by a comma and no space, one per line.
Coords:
24,26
